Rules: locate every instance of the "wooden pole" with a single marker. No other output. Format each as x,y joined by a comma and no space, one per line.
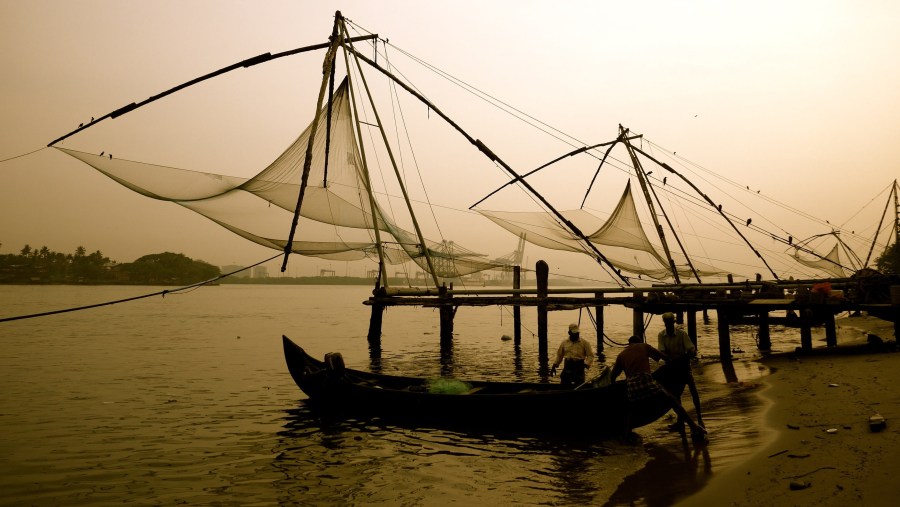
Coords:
446,317
895,306
637,317
375,320
599,312
542,272
724,335
517,310
805,329
765,339
830,331
692,327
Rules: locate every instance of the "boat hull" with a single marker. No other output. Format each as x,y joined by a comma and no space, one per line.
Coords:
497,405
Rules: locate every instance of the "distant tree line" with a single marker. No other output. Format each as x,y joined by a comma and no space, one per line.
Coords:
44,266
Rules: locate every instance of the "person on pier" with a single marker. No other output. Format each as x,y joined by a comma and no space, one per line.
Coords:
576,357
677,346
634,361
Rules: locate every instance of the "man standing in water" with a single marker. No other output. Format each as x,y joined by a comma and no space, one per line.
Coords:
634,360
677,346
577,355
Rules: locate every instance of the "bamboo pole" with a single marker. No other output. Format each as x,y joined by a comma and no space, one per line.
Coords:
390,153
542,271
600,258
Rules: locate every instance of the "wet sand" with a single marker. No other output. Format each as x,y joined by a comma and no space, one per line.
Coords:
823,451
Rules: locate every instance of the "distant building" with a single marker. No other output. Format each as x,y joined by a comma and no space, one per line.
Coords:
240,274
260,272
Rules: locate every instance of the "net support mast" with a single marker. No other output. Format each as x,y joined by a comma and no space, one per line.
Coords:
420,236
600,258
642,179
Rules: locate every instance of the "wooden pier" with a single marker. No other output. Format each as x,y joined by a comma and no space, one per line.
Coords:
806,303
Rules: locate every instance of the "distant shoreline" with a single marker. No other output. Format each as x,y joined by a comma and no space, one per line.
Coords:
303,280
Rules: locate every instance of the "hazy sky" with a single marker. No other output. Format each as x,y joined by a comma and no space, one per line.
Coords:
798,100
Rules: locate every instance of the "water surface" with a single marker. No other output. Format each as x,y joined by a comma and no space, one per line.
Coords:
185,399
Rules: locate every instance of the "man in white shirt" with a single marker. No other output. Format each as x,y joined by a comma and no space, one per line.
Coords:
576,356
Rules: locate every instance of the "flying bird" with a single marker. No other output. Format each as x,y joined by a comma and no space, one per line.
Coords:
102,152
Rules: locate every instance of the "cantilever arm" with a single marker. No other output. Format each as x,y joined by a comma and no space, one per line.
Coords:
249,62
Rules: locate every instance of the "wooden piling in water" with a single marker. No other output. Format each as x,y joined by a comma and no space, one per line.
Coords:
542,272
765,338
724,334
637,318
599,312
830,331
375,321
895,306
692,327
446,316
806,329
517,310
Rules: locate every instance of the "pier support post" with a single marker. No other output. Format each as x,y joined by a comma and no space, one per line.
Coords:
542,272
446,316
598,310
724,335
637,317
517,310
895,306
830,331
806,329
692,327
765,339
375,321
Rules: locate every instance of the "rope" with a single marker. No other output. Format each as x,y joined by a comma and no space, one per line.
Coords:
117,301
23,155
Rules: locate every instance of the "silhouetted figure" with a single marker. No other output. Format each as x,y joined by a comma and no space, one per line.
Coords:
102,152
748,221
677,346
110,156
634,360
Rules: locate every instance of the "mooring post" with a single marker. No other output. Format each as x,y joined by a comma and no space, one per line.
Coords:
517,310
895,306
375,321
599,311
724,334
765,339
637,317
692,327
446,315
542,273
806,329
830,331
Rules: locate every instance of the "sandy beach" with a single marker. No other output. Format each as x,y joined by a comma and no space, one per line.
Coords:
823,451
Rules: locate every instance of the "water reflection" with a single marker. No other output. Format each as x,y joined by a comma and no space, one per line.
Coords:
673,471
354,461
